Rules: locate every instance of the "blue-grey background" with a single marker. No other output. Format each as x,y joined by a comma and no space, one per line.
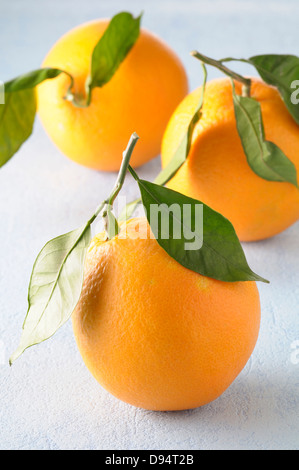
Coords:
48,400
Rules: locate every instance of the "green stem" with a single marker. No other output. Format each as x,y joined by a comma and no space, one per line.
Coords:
88,91
133,173
124,168
246,82
107,204
77,100
246,91
97,212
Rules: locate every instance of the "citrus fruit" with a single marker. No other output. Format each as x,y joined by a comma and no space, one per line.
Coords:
217,172
140,97
155,334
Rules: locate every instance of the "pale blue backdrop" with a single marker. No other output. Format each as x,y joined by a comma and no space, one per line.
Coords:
48,400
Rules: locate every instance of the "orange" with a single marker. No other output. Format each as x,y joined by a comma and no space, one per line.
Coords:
155,334
217,172
140,97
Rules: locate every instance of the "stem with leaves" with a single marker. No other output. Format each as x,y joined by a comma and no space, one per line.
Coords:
20,100
58,272
111,225
246,82
265,158
53,293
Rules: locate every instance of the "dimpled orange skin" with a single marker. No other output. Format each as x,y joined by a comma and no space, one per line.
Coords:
155,334
140,97
217,171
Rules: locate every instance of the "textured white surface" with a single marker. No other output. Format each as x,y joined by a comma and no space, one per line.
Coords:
48,400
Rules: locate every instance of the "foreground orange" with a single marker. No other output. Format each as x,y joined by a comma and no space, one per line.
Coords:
217,171
155,334
142,95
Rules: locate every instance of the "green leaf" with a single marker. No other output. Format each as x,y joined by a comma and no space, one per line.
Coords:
113,47
266,159
179,157
17,118
280,71
193,234
57,276
112,224
32,79
17,114
55,287
182,152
